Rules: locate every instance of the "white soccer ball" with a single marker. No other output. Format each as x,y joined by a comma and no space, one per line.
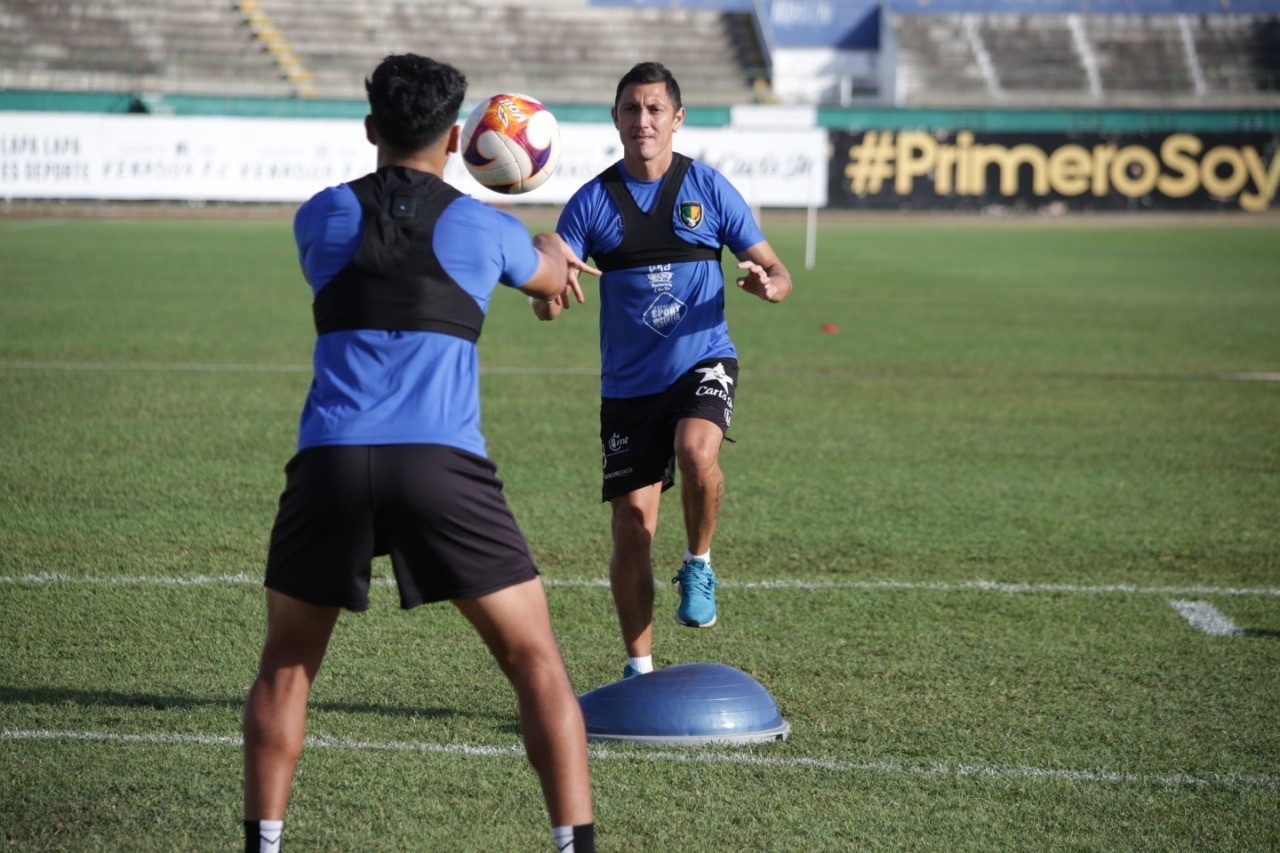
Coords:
511,143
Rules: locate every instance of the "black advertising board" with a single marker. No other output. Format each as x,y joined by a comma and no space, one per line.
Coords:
966,170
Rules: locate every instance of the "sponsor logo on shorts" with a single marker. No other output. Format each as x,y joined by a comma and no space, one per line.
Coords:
615,445
715,374
615,474
707,391
715,383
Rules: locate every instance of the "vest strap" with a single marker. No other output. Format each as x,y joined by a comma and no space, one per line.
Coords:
649,238
394,282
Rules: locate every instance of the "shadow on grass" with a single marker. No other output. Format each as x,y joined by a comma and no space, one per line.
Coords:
111,698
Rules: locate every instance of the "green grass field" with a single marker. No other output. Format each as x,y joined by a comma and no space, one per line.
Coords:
959,539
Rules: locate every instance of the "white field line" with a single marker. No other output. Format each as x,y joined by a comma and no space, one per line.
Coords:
1207,618
798,585
883,768
137,366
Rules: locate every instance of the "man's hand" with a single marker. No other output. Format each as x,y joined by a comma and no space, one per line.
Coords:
758,281
548,307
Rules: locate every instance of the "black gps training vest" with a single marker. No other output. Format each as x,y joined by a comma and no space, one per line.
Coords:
394,282
650,238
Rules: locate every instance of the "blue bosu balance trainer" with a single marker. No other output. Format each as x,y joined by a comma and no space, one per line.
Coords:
693,704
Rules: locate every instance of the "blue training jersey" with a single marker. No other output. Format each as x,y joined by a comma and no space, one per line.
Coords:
380,387
657,322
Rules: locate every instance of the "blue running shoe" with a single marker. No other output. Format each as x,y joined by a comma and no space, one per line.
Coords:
630,671
697,585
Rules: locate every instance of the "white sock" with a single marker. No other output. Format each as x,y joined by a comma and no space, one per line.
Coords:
269,832
575,839
641,665
706,558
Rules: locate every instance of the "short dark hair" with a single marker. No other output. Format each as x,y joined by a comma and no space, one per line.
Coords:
413,100
649,72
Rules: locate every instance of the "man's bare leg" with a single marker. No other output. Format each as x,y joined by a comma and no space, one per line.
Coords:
516,626
635,523
701,480
275,714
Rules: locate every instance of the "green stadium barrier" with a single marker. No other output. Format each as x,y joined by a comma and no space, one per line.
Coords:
832,118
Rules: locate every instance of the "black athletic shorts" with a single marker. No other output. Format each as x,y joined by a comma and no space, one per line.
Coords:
638,434
437,511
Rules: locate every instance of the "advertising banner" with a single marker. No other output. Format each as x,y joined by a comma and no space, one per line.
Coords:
176,158
964,170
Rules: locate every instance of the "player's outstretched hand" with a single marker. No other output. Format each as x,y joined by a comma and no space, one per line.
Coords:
550,307
577,267
758,282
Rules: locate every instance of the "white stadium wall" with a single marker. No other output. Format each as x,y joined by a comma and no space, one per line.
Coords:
175,158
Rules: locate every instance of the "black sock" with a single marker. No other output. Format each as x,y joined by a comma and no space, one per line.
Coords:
584,838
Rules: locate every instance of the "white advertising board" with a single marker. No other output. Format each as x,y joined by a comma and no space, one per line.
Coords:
190,158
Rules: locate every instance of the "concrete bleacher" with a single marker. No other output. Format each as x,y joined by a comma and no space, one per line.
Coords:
1239,54
562,51
558,50
1033,57
992,57
1062,53
936,63
86,46
193,46
1140,55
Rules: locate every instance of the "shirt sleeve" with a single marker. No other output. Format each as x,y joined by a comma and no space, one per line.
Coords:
738,228
328,229
573,225
477,245
521,259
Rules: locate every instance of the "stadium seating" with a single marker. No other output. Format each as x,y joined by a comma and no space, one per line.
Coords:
955,53
563,50
1083,60
126,46
1239,54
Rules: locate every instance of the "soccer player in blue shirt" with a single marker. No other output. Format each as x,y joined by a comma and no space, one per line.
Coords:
655,223
390,456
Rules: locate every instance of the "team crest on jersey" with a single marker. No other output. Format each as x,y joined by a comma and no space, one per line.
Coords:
691,213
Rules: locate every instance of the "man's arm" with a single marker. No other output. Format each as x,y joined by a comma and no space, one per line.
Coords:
556,278
766,275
